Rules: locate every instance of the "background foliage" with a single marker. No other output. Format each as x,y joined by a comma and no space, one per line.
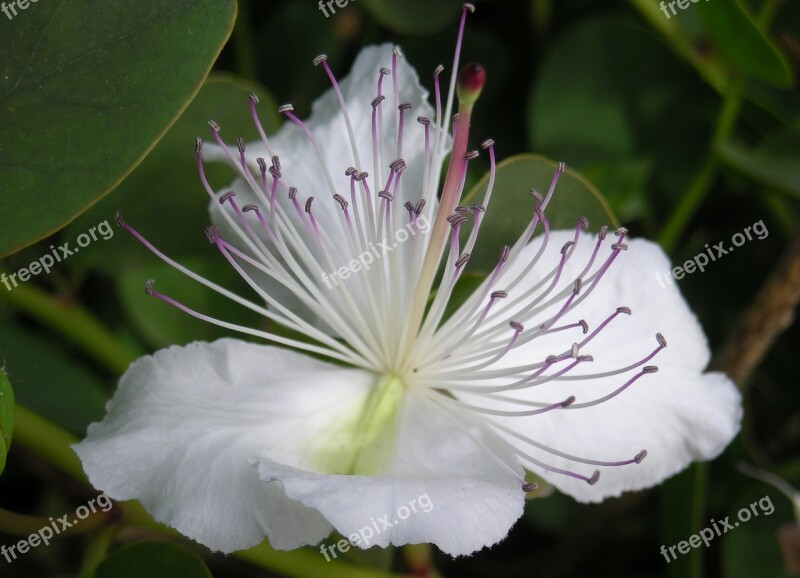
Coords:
689,126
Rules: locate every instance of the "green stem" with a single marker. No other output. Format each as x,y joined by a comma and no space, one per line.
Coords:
52,444
698,515
97,550
701,184
73,322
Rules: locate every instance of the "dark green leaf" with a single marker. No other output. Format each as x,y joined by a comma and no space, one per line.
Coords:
741,43
87,89
48,382
774,162
6,417
163,197
152,560
511,207
414,17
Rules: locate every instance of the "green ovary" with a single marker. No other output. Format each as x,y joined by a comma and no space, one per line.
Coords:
363,443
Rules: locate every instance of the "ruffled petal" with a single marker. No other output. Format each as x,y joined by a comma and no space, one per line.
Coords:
184,422
679,415
447,485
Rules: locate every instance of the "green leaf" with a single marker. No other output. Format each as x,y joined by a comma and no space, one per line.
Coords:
511,207
6,418
774,162
414,17
163,197
152,560
741,43
87,90
50,383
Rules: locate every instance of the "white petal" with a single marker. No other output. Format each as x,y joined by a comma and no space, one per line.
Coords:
678,415
183,423
450,491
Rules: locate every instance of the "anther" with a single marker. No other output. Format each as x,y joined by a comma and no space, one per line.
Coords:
640,456
561,168
471,155
341,200
198,144
566,247
584,326
462,260
292,193
225,196
619,247
625,310
517,326
240,144
568,402
285,108
438,70
551,359
214,126
661,341
621,231
248,208
478,207
350,171
404,106
377,100
462,209
576,289
408,206
361,176
308,204
584,358
499,295
423,120
320,59
262,164
397,165
276,162
385,195
397,52
456,219
148,286
603,232
487,143
276,174
385,71
118,218
532,486
536,195
584,222
595,476
649,369
420,206
574,351
504,253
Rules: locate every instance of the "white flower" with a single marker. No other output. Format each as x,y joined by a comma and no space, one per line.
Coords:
548,367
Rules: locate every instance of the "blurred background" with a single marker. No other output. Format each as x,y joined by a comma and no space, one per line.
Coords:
685,119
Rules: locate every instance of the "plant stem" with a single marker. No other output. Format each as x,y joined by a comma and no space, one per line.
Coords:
73,322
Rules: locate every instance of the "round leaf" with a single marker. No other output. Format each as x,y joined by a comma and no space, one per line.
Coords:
152,560
413,17
511,207
87,89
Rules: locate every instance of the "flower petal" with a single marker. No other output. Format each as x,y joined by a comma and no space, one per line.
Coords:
183,423
678,415
442,487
